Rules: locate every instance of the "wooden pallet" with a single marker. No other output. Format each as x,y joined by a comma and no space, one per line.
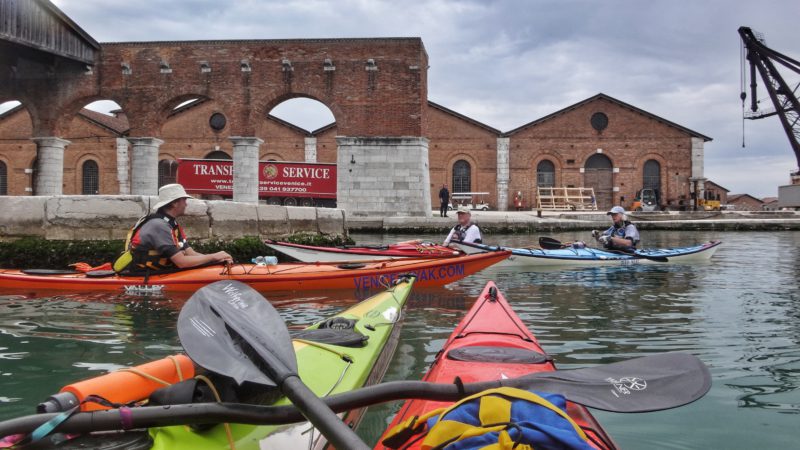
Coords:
565,199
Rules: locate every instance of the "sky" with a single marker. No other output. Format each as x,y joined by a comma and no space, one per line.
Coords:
506,63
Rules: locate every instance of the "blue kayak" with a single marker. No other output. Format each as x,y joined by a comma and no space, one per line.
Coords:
588,256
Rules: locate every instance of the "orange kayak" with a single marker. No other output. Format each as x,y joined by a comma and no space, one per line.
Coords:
299,276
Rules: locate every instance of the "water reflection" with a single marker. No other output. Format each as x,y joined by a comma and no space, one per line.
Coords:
739,313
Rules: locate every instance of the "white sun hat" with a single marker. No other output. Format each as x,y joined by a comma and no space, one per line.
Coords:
168,194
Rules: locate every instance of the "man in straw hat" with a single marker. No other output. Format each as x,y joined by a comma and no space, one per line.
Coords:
622,235
160,244
465,230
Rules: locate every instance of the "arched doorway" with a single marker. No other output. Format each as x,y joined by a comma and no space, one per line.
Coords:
545,174
598,174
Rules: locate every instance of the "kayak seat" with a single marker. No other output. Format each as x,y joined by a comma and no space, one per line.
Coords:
351,266
508,355
334,331
344,338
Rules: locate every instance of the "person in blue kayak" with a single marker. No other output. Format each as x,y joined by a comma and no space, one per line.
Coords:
622,235
158,243
465,230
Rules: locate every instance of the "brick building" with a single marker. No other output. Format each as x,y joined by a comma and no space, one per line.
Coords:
745,202
600,142
390,144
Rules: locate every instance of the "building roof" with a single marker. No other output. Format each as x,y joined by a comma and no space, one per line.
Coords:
715,184
732,198
769,199
602,96
117,124
324,128
294,127
464,118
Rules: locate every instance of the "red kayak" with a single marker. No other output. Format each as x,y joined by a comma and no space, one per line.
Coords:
480,349
310,253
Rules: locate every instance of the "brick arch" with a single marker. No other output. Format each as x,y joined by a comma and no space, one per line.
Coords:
553,157
270,155
473,164
30,108
663,172
68,112
268,105
164,110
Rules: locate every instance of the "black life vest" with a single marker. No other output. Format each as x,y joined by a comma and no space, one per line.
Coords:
152,259
460,233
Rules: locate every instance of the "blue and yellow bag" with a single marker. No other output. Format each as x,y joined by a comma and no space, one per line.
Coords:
495,419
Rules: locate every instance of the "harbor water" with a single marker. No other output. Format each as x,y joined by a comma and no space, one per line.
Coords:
739,313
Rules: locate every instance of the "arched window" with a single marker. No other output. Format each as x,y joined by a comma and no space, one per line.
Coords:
90,178
3,178
546,174
652,175
462,176
166,171
218,154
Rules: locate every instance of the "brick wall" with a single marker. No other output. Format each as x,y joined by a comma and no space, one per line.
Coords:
453,138
631,138
17,150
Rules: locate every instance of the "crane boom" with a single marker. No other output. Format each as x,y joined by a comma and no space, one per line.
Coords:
763,59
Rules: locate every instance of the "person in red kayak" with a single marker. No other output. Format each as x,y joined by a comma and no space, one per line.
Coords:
465,231
160,243
622,235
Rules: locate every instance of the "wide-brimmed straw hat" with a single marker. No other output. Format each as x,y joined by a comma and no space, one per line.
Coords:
168,194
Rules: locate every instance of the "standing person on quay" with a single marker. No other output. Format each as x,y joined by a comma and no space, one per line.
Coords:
444,198
158,243
465,231
622,235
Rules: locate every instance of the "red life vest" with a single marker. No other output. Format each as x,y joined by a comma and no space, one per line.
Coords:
152,259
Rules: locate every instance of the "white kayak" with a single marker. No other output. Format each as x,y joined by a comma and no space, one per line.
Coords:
357,253
588,256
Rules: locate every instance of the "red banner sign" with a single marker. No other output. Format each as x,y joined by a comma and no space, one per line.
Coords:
275,179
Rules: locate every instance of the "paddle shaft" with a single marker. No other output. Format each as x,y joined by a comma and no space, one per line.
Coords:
549,243
319,414
673,379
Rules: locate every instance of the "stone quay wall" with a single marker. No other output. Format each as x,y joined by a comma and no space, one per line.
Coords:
110,217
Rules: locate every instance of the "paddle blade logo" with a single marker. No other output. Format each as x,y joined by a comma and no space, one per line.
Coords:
202,327
626,385
235,297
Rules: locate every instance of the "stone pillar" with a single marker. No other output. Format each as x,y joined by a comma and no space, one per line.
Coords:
144,165
123,167
311,149
50,165
383,176
503,174
245,168
698,176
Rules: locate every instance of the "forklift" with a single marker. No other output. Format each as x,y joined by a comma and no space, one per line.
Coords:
646,200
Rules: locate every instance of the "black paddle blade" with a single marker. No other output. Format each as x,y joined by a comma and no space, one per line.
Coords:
651,383
549,243
224,323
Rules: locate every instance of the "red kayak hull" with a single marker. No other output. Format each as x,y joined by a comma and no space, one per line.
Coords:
492,324
281,277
